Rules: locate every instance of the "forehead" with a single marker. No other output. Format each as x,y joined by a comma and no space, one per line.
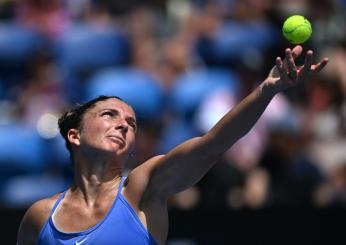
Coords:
113,104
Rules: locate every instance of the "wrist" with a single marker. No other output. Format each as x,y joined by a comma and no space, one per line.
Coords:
267,89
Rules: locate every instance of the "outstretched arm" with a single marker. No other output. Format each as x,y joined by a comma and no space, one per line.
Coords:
186,164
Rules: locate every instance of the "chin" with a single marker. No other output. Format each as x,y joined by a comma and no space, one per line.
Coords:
118,152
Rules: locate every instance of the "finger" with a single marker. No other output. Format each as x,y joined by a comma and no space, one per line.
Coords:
292,69
308,60
319,66
280,67
297,51
307,64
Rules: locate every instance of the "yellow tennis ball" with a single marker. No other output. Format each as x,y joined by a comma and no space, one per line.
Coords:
296,29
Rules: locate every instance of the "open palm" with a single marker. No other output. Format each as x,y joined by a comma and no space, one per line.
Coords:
286,73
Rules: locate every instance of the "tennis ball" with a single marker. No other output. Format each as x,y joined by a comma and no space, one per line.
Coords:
296,29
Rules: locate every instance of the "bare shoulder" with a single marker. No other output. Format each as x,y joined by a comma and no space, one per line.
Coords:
138,179
151,210
34,219
146,167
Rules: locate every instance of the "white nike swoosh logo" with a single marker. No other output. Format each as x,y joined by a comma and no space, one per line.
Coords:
81,241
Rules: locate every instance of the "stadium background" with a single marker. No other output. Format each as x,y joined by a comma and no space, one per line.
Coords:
181,64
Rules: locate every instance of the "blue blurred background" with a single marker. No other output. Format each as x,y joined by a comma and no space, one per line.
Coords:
181,65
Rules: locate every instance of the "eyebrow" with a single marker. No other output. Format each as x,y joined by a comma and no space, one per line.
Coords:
132,119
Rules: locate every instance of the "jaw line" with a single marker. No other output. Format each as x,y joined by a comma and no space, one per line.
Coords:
117,139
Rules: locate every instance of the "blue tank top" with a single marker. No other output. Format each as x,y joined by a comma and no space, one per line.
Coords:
120,226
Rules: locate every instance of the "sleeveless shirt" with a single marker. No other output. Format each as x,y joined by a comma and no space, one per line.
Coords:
120,226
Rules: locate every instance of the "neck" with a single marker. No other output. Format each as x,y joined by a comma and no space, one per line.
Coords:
96,179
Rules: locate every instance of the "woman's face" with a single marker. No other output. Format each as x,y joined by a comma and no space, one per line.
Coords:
109,127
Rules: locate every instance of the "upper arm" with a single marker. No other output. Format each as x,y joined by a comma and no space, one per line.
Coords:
183,166
165,175
27,233
33,221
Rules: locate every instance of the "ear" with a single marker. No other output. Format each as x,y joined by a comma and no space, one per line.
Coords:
73,136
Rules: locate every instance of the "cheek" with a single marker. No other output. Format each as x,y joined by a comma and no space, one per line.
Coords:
94,132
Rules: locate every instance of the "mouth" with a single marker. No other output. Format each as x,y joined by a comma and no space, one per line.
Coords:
117,140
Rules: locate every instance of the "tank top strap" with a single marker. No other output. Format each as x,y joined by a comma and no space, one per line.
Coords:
61,196
121,183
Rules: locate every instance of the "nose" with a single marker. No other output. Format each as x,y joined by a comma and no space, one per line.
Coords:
122,126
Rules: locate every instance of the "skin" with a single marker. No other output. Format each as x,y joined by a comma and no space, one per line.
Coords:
102,147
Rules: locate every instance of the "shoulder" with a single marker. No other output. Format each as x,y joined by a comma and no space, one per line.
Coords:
34,219
140,176
146,167
150,208
138,179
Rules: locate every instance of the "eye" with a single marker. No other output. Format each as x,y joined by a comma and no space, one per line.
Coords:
133,125
108,114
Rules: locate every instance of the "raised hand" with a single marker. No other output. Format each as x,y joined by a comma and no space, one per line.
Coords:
286,73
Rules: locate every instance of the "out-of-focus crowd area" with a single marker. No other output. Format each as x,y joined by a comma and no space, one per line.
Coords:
181,65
